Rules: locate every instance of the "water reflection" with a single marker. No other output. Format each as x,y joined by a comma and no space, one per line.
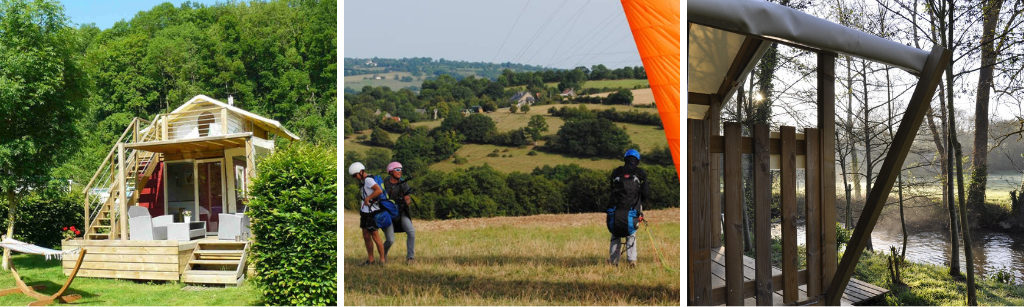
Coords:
992,250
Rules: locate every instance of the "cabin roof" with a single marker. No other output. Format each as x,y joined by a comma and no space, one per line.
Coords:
726,38
272,125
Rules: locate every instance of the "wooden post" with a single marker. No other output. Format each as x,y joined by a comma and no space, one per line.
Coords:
122,193
891,167
827,136
86,216
762,215
733,215
163,128
790,292
224,121
812,214
699,240
714,118
250,162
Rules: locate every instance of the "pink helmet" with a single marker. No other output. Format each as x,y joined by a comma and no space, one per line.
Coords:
393,165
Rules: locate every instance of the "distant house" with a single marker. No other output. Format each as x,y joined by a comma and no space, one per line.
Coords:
523,98
568,93
376,112
370,63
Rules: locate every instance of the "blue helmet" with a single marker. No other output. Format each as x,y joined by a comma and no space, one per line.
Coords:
632,153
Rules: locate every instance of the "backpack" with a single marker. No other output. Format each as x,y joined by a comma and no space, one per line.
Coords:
623,215
385,203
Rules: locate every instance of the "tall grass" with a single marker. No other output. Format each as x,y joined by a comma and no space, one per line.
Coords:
534,260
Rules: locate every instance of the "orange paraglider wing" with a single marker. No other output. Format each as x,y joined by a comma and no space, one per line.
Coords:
655,27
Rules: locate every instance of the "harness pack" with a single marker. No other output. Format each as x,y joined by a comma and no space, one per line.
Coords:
623,216
388,210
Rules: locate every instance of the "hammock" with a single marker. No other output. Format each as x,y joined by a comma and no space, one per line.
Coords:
42,299
26,248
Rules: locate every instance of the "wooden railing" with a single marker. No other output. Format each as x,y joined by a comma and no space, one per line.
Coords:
134,163
789,152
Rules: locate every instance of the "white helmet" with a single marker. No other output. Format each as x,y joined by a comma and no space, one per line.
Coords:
355,168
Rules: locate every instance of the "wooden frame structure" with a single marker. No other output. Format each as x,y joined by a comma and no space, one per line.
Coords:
43,299
824,281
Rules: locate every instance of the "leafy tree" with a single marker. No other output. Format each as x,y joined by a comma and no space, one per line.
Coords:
526,108
513,108
536,126
380,138
624,97
489,106
42,94
477,128
592,137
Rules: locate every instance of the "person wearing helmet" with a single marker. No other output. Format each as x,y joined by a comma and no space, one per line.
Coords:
625,211
399,191
367,209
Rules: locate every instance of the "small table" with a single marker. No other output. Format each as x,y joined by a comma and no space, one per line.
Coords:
186,231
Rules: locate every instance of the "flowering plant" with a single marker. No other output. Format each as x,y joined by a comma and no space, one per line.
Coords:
186,213
70,233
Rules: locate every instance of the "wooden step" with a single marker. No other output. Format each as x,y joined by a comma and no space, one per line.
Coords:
101,226
220,252
214,262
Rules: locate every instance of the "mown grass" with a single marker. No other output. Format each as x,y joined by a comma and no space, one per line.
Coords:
105,292
931,285
357,82
517,159
534,260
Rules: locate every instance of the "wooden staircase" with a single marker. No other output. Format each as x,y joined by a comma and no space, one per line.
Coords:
217,262
139,174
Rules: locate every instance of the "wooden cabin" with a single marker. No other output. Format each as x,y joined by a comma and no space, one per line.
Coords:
726,38
199,158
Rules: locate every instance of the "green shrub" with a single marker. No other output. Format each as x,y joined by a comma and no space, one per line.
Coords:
43,214
294,223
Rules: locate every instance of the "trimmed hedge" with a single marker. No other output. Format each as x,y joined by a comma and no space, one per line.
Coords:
293,207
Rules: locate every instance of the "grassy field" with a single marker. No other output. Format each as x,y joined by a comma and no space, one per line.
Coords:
640,96
534,260
931,285
105,292
625,83
519,160
357,81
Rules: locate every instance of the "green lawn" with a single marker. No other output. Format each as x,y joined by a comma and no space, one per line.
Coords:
476,154
357,82
931,285
35,270
550,259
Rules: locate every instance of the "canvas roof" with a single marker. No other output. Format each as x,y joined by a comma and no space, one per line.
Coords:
731,36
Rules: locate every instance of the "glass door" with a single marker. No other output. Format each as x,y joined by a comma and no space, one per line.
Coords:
211,192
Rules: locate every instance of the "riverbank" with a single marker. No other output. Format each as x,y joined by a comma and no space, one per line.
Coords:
931,285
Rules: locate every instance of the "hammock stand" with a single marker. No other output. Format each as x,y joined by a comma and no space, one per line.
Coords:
41,299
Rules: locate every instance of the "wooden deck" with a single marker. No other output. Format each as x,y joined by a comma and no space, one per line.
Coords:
856,293
139,260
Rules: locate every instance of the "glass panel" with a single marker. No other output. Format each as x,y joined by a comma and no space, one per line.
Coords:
180,189
211,194
241,184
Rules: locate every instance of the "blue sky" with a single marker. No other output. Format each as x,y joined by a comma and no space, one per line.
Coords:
562,34
104,14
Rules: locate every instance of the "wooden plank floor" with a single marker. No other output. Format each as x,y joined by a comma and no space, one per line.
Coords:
857,291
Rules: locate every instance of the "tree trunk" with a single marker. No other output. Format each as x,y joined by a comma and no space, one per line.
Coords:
12,208
972,298
979,177
747,173
945,161
867,140
849,140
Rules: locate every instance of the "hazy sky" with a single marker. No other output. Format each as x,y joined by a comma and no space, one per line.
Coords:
104,14
562,34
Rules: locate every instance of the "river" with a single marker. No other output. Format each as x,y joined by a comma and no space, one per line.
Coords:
992,250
